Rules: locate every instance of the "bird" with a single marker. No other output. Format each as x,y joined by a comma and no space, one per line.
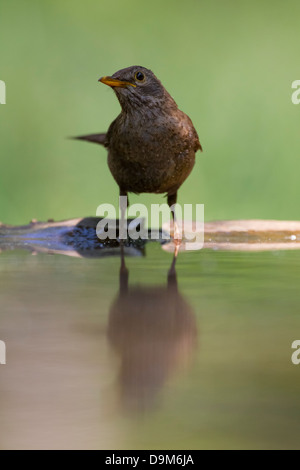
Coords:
152,143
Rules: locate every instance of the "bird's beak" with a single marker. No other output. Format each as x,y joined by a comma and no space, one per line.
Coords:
114,82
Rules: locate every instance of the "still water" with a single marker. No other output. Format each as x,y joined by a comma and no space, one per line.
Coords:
100,357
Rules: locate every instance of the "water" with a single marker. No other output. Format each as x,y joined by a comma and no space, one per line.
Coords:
201,361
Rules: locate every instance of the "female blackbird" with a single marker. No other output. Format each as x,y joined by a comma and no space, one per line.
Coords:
151,144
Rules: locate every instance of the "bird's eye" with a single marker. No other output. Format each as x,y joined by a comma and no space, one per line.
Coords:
139,76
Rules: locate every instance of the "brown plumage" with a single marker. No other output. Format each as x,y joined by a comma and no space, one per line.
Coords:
151,144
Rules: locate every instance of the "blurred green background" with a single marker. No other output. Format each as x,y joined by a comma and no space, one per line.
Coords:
228,64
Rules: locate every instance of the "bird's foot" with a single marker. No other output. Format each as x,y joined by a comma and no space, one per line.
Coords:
177,246
176,232
177,239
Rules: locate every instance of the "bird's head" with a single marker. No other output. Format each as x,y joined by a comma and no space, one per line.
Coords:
138,87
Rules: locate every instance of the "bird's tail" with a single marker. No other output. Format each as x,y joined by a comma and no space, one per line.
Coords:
96,138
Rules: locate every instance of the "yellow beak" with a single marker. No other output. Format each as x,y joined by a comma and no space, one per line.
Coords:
114,82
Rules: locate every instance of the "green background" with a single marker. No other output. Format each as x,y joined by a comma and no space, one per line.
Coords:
228,64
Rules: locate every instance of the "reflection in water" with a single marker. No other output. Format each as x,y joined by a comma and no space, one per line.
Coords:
153,329
56,387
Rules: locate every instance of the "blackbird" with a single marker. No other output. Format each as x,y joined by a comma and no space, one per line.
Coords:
151,144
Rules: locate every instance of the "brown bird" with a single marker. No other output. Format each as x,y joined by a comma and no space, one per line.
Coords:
151,144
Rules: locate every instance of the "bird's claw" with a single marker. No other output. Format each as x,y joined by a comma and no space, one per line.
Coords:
177,239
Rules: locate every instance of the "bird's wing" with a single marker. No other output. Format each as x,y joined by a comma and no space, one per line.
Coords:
96,138
198,146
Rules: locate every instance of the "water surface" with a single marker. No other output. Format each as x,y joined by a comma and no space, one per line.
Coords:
145,360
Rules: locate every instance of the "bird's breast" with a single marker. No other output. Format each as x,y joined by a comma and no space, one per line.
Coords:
150,156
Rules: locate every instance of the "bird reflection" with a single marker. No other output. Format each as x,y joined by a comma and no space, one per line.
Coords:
153,330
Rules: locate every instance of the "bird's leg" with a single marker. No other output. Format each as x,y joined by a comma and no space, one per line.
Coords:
123,208
172,198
